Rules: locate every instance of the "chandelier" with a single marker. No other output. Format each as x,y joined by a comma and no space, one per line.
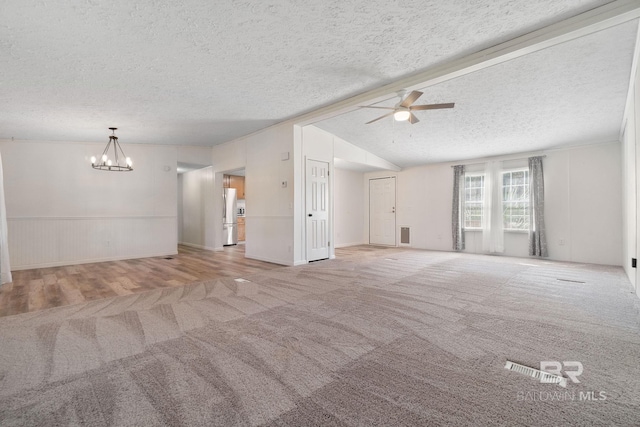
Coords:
113,165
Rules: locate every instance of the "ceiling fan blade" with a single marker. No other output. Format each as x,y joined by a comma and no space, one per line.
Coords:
373,106
413,119
380,118
411,98
432,106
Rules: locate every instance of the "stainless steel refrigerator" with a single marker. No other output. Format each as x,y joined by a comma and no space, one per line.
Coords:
229,217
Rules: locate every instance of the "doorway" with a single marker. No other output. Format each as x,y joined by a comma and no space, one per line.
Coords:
194,206
234,213
317,210
382,211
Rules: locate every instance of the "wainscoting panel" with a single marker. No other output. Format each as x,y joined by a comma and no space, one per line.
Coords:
46,242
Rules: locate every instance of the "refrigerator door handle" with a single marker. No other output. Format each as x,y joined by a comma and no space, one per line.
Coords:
224,206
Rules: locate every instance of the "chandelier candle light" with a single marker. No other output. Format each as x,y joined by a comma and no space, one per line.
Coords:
106,164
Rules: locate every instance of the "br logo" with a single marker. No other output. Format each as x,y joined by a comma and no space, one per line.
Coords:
556,368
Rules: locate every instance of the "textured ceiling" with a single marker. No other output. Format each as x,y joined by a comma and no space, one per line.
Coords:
569,94
202,72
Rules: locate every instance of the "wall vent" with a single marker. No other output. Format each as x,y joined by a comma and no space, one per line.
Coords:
405,235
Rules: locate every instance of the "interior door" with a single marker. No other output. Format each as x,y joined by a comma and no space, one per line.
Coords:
317,197
382,211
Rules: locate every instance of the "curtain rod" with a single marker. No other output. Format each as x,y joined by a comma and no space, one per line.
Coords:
493,159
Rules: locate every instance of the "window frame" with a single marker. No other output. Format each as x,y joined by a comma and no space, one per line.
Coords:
466,202
525,201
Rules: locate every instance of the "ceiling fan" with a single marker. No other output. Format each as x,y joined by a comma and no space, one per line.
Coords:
404,108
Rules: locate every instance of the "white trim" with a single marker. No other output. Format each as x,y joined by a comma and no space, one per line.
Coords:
330,212
466,175
511,171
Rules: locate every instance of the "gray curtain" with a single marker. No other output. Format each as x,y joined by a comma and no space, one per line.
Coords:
537,233
457,222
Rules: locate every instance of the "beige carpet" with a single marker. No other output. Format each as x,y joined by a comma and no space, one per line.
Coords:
382,337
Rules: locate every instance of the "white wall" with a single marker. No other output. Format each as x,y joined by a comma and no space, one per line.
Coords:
348,207
631,178
591,203
194,155
180,203
629,188
196,203
60,211
583,200
270,207
317,144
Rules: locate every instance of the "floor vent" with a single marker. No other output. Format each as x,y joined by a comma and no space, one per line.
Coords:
572,281
544,377
405,235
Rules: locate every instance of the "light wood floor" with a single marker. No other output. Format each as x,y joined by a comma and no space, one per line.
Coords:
42,288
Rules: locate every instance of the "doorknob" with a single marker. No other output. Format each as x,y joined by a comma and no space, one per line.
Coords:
310,214
393,209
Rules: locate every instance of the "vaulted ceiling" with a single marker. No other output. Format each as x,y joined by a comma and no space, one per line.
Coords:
198,72
570,94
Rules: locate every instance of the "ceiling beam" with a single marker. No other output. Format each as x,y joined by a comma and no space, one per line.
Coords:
597,19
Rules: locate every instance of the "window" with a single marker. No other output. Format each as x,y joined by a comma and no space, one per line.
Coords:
515,199
473,200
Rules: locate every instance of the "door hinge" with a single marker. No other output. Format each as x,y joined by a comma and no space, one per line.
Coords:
634,262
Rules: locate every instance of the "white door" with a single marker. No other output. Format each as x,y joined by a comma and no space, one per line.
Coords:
382,211
317,210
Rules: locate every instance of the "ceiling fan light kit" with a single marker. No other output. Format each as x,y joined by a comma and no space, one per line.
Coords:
402,115
403,111
107,164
